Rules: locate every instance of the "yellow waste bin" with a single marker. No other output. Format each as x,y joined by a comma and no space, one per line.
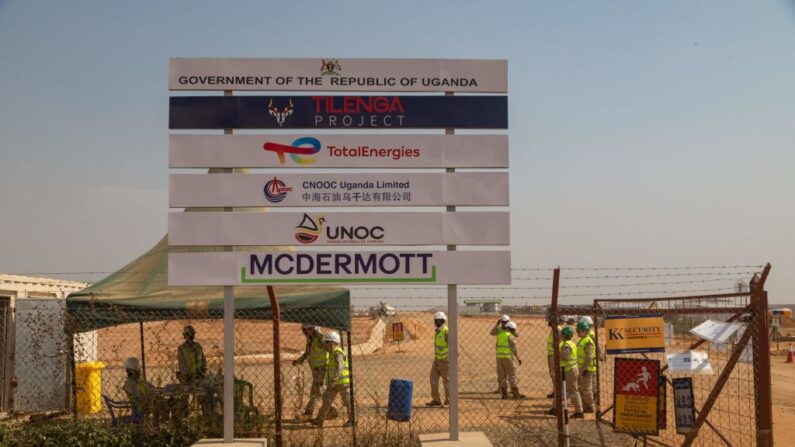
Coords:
88,378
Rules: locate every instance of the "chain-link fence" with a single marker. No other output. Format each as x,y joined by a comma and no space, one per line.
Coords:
102,386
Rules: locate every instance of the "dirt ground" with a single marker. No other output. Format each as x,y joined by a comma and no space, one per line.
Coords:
480,408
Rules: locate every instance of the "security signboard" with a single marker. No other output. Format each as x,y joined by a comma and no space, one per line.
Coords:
635,393
338,151
332,74
684,404
346,267
351,228
338,112
635,334
332,190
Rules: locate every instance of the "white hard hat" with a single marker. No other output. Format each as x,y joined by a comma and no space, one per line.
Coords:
132,363
510,325
440,316
505,318
333,337
586,319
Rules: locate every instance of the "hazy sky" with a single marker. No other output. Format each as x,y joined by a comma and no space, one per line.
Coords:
642,133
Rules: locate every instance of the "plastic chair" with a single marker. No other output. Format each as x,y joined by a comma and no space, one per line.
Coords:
246,412
114,405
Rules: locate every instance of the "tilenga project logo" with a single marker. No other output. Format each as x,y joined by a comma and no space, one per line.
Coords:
275,190
301,146
330,67
308,231
280,113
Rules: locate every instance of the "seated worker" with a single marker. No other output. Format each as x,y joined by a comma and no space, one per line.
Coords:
141,394
192,372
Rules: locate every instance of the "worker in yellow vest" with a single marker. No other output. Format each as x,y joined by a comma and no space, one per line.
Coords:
586,363
506,352
441,363
495,331
338,379
318,357
553,326
568,363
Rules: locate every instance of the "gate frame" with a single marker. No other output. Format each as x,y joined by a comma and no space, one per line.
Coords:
755,314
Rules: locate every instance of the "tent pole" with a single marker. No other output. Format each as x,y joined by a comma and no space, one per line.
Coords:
277,368
143,355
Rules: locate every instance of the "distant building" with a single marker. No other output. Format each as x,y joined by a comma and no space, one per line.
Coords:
488,306
33,344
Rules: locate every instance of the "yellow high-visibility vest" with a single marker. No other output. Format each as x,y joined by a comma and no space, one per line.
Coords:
551,342
504,345
585,341
317,355
331,368
442,350
570,362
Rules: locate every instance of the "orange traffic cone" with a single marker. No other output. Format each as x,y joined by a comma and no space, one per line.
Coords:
789,354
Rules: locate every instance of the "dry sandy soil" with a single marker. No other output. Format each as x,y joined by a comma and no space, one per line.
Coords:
506,422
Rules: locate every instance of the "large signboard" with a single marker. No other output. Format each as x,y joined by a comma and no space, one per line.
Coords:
684,404
635,334
635,392
351,267
320,228
338,112
331,190
361,75
338,151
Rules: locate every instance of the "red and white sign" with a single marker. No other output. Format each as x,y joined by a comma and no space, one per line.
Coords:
338,151
331,74
635,390
354,228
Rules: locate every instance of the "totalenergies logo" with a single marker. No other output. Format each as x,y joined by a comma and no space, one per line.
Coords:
301,146
275,190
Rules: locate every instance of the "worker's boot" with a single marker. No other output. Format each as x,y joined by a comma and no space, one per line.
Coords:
504,393
516,394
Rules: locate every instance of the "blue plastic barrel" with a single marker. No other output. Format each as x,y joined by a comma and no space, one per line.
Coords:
401,393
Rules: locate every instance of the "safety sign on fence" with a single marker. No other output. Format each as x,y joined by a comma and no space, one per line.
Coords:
635,334
636,394
397,332
684,404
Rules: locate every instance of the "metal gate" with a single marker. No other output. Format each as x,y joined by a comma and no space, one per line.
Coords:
5,308
732,406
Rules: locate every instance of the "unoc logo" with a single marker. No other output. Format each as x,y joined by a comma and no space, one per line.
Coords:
308,231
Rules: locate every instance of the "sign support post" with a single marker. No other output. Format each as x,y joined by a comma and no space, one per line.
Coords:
229,342
452,310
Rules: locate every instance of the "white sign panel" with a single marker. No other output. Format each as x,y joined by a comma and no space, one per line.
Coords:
313,228
747,356
383,267
361,75
715,331
689,362
316,190
338,151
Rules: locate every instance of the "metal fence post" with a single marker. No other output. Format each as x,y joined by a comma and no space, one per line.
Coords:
452,323
229,344
277,367
761,358
559,403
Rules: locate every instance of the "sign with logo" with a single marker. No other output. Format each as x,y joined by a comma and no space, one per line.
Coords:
635,334
338,112
331,190
361,75
327,228
635,393
397,332
689,362
360,267
684,404
338,151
